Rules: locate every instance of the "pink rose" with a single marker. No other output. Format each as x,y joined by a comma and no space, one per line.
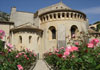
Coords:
20,67
25,56
76,43
73,36
64,56
61,48
74,48
2,34
56,50
9,45
9,50
17,56
66,53
90,45
20,54
94,41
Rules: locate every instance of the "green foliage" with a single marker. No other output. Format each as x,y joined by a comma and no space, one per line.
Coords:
98,27
1,45
4,16
85,59
9,61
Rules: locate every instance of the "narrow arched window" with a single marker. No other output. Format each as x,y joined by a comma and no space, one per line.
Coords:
41,19
78,15
52,32
71,15
55,16
47,17
50,16
58,15
20,39
44,18
63,14
67,14
75,15
30,39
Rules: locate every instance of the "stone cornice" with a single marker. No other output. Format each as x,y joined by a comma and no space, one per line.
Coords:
61,10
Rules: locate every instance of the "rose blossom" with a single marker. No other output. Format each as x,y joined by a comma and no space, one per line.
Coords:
90,45
94,41
74,48
9,45
76,43
66,53
20,67
17,56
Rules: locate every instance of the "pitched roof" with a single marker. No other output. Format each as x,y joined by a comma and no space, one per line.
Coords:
62,5
57,6
92,31
26,26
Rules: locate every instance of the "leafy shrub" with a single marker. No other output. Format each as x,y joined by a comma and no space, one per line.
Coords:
75,57
14,60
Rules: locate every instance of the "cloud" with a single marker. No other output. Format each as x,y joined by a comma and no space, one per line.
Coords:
93,10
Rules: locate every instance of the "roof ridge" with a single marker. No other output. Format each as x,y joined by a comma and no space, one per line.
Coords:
55,5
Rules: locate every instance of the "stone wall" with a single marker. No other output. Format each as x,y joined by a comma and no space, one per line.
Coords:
19,17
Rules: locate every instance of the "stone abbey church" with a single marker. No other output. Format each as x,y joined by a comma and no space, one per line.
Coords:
45,29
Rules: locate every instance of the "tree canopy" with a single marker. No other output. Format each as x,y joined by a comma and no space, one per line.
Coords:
4,16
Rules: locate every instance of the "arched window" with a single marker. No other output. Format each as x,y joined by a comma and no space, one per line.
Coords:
30,39
67,14
55,16
52,32
75,15
58,15
71,15
73,30
41,19
20,39
78,15
50,16
44,18
63,14
47,17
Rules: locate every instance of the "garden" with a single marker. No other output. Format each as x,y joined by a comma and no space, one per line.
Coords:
77,56
15,60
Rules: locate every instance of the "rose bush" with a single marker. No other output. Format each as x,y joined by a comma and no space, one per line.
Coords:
14,60
75,57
